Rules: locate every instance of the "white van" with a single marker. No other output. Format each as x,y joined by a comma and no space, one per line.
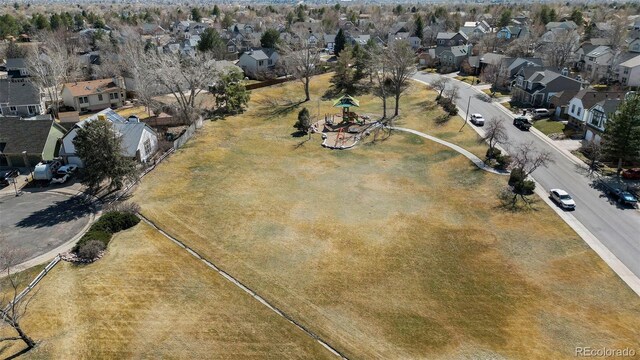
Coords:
541,113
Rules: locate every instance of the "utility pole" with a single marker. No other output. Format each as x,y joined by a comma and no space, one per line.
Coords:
466,115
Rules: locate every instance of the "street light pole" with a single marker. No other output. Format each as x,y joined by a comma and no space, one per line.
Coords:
466,115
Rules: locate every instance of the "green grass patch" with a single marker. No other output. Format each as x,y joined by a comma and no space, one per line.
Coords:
471,80
496,93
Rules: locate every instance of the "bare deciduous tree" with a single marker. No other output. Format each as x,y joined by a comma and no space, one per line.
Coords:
12,307
301,60
527,159
440,85
494,133
379,73
452,93
184,77
562,47
53,64
400,61
491,74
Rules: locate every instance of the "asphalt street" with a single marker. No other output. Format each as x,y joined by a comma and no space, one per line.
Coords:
33,223
616,227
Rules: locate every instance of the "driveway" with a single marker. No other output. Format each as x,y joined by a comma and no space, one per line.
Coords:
37,222
615,227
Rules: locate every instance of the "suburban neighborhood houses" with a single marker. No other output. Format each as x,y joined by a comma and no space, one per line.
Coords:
347,179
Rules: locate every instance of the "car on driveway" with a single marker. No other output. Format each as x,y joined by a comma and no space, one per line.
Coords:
63,174
522,123
562,198
7,175
624,197
631,174
541,113
477,119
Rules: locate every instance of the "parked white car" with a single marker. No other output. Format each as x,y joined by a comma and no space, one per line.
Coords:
477,119
63,174
562,198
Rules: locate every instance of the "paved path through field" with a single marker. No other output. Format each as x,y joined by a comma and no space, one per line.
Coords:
476,160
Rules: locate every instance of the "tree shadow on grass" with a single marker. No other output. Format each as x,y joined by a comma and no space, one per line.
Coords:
270,108
516,203
71,209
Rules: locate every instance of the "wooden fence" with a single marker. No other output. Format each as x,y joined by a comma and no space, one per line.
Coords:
33,283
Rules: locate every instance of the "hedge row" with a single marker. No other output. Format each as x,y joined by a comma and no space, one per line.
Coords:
109,223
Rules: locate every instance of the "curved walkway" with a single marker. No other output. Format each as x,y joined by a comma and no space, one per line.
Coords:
476,160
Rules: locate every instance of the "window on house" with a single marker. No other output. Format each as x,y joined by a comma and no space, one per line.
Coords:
13,108
579,111
626,71
270,62
597,119
573,108
100,97
147,147
31,109
261,62
83,100
591,58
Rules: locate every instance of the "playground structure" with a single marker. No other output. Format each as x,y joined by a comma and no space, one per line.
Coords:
344,130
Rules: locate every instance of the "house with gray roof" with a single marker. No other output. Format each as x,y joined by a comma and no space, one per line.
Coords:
536,85
567,25
579,107
451,57
17,68
139,141
37,138
451,38
599,113
258,63
20,98
629,72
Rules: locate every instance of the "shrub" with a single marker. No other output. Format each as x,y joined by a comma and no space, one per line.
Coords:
109,223
524,187
91,249
517,175
493,153
442,119
448,106
114,221
92,235
503,162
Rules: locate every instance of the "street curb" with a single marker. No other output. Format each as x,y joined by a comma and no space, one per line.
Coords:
603,252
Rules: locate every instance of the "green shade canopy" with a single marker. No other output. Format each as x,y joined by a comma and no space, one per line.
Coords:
346,102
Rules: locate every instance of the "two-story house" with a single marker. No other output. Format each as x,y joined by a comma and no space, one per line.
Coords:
17,68
95,94
452,56
596,63
536,85
258,63
20,97
510,32
579,108
451,39
629,72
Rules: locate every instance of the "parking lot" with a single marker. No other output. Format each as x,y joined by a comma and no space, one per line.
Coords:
37,222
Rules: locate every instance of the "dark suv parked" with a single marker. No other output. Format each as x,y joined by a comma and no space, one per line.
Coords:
522,123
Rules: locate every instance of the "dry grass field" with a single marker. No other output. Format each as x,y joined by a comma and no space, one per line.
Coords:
397,249
147,299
